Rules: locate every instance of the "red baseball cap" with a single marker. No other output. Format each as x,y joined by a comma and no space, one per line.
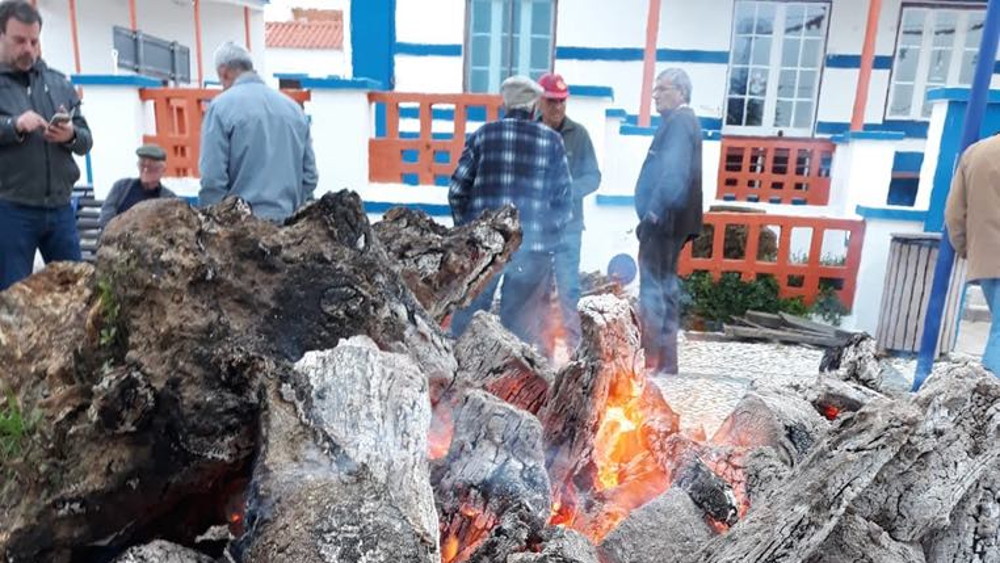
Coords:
553,86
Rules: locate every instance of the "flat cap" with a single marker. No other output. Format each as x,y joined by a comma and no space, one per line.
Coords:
519,91
152,152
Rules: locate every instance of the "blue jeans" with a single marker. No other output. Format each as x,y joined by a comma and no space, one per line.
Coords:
567,270
25,229
991,356
527,285
659,299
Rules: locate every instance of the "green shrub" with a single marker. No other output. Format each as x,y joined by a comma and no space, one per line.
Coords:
15,428
730,297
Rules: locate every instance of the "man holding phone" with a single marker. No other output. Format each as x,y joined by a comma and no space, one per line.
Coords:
41,128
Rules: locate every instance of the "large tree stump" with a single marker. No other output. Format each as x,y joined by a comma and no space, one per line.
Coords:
495,471
448,268
343,475
603,424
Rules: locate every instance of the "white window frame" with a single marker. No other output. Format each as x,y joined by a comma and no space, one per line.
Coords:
958,49
774,75
498,42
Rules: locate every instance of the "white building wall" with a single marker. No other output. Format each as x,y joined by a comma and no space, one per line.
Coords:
162,18
314,62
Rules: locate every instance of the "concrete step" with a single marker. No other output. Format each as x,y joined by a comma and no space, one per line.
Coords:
976,310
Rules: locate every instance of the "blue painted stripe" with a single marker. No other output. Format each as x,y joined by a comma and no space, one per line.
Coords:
473,113
625,54
428,50
907,162
90,168
338,83
959,95
868,136
116,80
892,213
615,200
911,129
433,209
615,113
380,121
373,41
636,131
707,123
410,135
882,62
592,91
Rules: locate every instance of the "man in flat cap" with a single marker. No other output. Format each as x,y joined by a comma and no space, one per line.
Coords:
586,179
127,192
516,160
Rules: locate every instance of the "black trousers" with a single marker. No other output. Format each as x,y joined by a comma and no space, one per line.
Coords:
659,298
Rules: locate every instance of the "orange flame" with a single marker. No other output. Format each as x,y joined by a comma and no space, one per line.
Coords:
441,432
831,412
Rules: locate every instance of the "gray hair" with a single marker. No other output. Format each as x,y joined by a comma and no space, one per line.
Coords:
679,79
520,92
233,56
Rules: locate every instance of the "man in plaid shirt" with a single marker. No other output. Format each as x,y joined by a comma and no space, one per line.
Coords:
518,161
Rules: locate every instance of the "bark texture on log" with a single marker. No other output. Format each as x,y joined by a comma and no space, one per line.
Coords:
604,422
144,375
495,467
667,530
491,358
910,468
160,551
343,475
859,361
859,541
448,268
784,422
559,545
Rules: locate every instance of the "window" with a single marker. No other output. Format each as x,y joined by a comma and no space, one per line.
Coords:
508,37
935,48
774,71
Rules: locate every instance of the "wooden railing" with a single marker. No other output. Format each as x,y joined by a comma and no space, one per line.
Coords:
768,252
423,157
775,170
178,113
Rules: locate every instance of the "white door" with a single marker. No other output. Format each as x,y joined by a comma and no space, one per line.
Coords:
775,67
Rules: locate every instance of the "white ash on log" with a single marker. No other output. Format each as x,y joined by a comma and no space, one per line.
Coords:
857,539
784,422
343,473
559,544
860,361
447,268
667,530
494,471
160,551
603,423
904,466
491,358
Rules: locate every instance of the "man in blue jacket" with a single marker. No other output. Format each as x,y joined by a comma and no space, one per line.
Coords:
668,201
41,128
255,142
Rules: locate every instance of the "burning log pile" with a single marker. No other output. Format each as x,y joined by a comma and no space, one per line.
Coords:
220,388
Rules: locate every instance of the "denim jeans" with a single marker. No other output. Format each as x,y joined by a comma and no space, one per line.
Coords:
991,356
567,271
659,299
25,229
527,283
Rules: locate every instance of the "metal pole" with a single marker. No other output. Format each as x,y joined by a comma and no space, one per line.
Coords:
649,61
197,43
970,134
867,62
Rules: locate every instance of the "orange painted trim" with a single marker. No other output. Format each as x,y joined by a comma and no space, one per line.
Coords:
867,62
246,27
775,170
133,18
75,34
197,43
649,61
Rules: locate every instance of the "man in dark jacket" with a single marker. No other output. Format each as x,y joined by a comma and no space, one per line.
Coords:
586,179
517,161
40,129
128,192
668,201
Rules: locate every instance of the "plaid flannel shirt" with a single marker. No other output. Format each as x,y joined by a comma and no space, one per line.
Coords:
518,161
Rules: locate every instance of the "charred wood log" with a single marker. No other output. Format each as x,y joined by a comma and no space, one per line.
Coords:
859,361
343,475
492,490
604,422
784,422
447,268
667,530
491,358
559,545
160,551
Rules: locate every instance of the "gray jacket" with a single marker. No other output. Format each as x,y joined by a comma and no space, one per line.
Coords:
582,167
33,171
255,144
109,209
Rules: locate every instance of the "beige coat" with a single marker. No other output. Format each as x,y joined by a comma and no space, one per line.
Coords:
973,211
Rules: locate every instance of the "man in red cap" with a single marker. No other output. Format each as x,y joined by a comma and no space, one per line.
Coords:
586,179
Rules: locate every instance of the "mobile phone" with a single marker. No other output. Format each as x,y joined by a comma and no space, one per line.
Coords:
59,119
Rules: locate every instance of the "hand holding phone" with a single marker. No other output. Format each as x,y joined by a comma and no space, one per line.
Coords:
59,119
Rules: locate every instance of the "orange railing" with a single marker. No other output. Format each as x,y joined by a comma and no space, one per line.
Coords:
178,113
768,251
775,170
423,157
